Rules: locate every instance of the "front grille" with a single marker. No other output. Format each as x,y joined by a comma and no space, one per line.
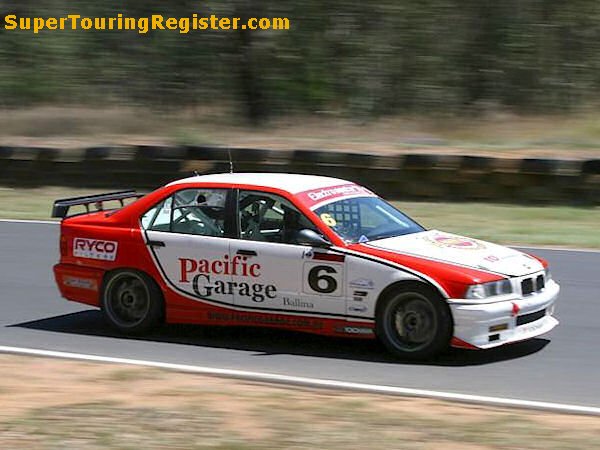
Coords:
531,285
531,317
539,283
527,286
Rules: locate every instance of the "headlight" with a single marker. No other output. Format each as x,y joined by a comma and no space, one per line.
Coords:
547,274
485,290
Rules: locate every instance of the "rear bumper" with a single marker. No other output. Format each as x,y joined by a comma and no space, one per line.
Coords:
79,284
493,324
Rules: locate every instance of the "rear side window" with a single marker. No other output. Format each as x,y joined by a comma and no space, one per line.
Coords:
158,217
191,211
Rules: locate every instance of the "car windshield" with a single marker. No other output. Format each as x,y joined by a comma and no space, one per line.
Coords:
363,219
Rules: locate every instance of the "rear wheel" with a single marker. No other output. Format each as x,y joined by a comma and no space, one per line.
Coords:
132,302
414,323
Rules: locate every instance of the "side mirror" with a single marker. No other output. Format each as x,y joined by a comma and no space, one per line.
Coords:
310,237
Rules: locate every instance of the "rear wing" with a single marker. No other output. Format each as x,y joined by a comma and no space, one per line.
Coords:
61,206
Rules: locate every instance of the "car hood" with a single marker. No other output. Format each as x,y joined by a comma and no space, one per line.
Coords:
454,249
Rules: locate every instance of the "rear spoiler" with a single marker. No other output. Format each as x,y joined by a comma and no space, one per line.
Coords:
61,206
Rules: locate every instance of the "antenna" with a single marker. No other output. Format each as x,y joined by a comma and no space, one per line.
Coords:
230,160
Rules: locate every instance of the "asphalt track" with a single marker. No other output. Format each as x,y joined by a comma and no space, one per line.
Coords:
562,366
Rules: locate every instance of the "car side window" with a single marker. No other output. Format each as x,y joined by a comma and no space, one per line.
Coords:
270,218
158,218
190,211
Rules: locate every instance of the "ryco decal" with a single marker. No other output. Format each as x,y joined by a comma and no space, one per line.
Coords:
95,249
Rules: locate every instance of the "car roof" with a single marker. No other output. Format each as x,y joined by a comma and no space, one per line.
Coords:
290,182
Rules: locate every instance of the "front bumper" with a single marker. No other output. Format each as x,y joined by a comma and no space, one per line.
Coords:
491,324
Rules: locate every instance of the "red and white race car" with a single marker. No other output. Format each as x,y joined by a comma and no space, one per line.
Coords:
301,252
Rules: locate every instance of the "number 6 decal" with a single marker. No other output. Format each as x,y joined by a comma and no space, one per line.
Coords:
323,279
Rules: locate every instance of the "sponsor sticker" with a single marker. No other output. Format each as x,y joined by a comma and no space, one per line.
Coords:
321,279
358,308
358,296
266,319
95,249
81,283
297,303
458,242
315,197
328,220
363,283
526,329
354,330
203,275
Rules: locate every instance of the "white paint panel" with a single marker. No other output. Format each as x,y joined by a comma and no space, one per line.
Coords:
282,266
451,248
289,182
194,264
365,281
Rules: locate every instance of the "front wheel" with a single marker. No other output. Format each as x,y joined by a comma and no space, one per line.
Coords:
132,302
414,323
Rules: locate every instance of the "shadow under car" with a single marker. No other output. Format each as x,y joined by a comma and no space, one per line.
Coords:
268,341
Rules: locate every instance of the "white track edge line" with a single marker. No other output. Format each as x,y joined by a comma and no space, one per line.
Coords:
556,249
316,382
527,247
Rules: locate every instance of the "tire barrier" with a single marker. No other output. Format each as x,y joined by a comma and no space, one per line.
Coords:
425,177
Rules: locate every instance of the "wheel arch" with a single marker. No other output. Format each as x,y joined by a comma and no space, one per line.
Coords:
444,330
108,273
405,285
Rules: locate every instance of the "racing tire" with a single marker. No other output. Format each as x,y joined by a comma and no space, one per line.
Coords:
131,302
414,323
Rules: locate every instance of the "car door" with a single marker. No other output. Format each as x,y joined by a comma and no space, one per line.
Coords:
280,274
187,240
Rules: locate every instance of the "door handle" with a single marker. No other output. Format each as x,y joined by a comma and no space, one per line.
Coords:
155,243
246,252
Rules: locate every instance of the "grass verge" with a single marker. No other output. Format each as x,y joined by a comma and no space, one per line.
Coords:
508,224
511,224
496,134
50,403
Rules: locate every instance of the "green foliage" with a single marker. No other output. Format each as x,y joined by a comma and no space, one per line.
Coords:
360,58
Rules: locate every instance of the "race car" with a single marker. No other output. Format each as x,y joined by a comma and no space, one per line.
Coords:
300,252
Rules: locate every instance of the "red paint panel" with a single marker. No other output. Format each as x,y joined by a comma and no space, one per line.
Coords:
79,284
452,278
459,343
334,257
540,259
199,313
